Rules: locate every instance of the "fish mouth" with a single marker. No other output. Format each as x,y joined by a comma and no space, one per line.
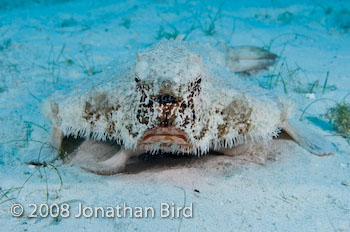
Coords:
164,136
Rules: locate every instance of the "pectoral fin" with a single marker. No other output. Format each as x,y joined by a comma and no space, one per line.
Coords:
309,140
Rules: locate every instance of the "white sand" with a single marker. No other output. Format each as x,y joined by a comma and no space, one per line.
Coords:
291,191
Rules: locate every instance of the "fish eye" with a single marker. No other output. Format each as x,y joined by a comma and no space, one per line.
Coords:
137,79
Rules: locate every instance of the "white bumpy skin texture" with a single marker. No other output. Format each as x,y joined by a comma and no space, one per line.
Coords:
171,92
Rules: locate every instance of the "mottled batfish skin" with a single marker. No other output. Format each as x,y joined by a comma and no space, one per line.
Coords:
175,96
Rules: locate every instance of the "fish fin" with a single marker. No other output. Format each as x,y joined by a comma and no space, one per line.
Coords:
56,137
309,140
102,158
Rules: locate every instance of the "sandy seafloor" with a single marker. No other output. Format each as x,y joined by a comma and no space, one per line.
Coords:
51,45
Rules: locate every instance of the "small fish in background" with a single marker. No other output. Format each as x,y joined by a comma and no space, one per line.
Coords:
247,60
